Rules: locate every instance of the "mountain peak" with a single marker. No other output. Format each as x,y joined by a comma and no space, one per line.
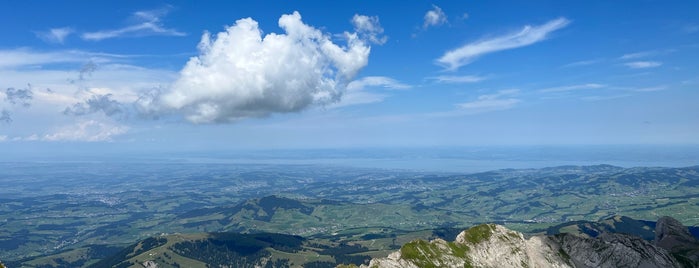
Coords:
485,245
491,245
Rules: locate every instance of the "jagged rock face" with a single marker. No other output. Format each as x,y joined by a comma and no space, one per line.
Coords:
614,250
671,235
669,231
150,264
506,248
485,245
490,245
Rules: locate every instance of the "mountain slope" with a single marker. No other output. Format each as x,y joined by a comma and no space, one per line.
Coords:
490,245
613,250
673,236
236,250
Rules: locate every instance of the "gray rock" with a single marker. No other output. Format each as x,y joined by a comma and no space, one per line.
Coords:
496,246
614,250
674,237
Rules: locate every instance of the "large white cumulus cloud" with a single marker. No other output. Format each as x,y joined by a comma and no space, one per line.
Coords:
240,73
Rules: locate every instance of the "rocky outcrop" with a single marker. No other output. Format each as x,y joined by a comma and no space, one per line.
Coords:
486,245
671,235
507,248
613,250
150,264
490,245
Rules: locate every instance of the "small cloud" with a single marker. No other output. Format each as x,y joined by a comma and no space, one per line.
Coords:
502,100
5,116
22,96
643,64
464,16
434,17
529,35
96,103
357,97
55,35
89,131
369,28
646,54
3,138
147,23
86,70
572,87
459,79
604,98
377,81
356,92
148,103
650,89
637,55
582,63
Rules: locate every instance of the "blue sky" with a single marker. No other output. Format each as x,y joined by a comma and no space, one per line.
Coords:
187,75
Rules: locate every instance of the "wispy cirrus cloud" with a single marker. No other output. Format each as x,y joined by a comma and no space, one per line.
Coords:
15,58
572,88
502,100
24,57
529,35
55,35
582,63
604,98
377,81
147,23
80,131
643,64
650,89
459,79
88,130
646,54
637,55
357,91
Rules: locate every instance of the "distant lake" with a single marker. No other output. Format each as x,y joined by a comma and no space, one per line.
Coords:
437,159
465,159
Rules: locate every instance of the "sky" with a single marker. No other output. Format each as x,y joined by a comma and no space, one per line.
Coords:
226,75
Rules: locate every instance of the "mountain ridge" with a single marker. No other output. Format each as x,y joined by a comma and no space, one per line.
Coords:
490,245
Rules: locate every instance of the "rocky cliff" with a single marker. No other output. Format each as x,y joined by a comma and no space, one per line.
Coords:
613,250
491,245
671,235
